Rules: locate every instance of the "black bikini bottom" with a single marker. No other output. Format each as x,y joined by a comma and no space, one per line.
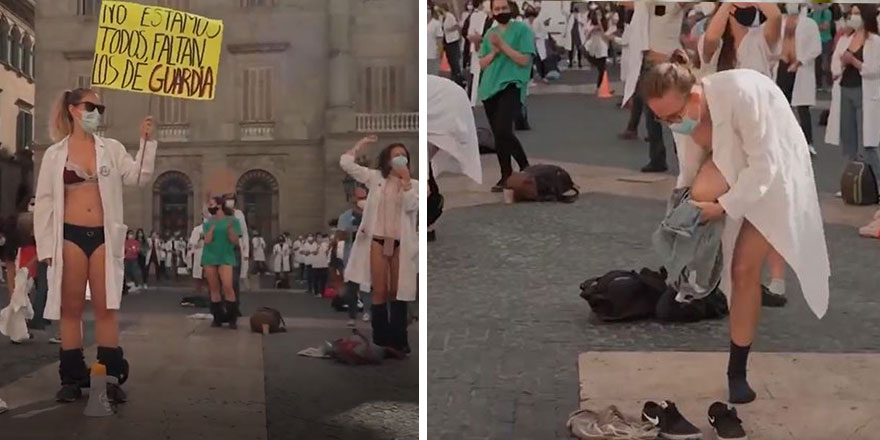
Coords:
381,241
87,238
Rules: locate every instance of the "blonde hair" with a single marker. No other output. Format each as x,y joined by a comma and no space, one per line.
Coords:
60,119
674,74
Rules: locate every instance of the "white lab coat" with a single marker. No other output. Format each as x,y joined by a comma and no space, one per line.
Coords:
595,42
870,92
358,268
197,246
258,245
281,258
808,47
158,247
308,250
296,250
168,247
475,26
638,39
452,129
244,242
762,153
115,167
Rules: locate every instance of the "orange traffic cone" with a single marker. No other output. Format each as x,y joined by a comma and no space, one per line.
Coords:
605,89
444,64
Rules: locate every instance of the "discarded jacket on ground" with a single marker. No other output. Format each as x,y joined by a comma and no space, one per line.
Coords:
690,250
609,424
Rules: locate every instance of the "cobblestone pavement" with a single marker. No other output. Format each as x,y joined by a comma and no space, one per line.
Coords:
305,398
506,322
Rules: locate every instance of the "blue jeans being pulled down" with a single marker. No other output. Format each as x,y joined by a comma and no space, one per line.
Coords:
691,251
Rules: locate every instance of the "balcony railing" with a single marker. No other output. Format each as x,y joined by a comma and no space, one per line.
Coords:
257,131
174,133
388,122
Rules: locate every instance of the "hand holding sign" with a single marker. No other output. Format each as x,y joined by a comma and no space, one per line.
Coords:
147,128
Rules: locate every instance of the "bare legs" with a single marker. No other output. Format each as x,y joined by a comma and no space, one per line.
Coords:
220,280
749,253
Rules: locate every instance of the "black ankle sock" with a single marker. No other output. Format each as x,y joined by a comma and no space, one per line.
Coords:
740,391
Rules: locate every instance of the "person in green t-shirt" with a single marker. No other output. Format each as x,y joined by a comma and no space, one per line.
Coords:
506,63
824,18
222,232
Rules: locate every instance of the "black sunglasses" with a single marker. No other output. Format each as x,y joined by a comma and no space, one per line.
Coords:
90,106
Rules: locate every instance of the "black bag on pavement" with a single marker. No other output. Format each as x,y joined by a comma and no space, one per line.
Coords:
269,317
553,184
624,295
858,185
713,306
486,140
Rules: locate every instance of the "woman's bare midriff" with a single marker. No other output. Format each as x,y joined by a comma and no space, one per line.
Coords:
82,205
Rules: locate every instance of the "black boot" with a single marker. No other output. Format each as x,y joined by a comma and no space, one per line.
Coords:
232,313
379,322
397,324
74,375
117,366
218,313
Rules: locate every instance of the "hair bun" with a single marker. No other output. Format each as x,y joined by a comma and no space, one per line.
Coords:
680,58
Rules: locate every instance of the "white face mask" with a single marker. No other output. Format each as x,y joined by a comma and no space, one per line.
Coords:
230,204
90,121
362,204
855,22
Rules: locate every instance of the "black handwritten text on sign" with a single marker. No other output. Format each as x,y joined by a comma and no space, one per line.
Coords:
157,50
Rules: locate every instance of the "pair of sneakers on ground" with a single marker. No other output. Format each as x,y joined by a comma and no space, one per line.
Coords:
673,425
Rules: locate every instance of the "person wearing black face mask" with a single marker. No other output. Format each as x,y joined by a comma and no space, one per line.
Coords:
222,232
755,30
506,60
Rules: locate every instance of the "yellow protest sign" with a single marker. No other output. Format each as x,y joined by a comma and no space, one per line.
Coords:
150,49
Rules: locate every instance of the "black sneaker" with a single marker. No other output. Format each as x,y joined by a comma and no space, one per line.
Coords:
115,393
724,420
770,299
655,168
68,393
673,426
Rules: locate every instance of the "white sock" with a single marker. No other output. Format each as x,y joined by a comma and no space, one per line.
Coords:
777,286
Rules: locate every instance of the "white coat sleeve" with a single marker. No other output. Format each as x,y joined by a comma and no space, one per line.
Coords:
361,174
137,171
871,65
194,238
411,198
44,208
750,120
809,46
836,65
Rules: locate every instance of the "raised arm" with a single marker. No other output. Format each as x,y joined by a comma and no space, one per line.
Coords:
773,25
138,171
715,30
347,161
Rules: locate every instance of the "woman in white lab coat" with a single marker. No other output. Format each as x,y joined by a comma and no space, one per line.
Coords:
571,37
744,157
155,256
596,42
385,253
280,259
80,232
855,96
258,246
796,68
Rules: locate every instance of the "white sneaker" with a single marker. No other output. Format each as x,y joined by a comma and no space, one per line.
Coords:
55,339
813,150
366,317
838,194
3,407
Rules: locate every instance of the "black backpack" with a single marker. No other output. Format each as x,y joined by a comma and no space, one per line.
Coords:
553,183
858,185
624,295
713,306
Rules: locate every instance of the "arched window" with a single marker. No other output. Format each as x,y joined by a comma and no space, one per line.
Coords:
258,197
16,48
27,56
172,203
4,40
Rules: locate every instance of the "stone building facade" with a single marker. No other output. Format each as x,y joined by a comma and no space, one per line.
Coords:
16,102
300,81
